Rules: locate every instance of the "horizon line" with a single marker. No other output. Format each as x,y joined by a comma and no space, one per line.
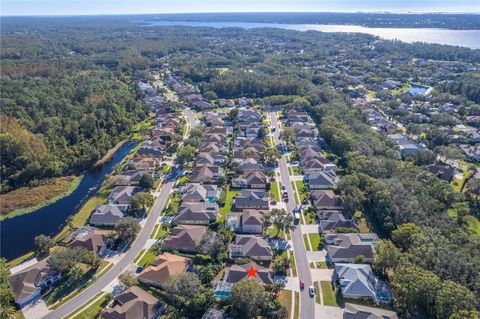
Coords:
241,12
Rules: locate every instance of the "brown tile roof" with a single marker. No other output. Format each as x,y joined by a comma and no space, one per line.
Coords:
133,303
162,268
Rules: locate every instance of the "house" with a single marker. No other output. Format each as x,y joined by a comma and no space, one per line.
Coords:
26,284
206,173
210,158
321,180
254,247
356,281
348,248
143,163
354,311
195,213
326,200
212,313
226,103
134,303
239,182
250,221
184,238
443,172
107,215
90,238
331,220
405,145
251,199
163,268
121,195
204,193
252,271
250,165
130,177
256,179
149,151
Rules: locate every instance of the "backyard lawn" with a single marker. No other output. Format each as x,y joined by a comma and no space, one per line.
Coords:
329,297
227,208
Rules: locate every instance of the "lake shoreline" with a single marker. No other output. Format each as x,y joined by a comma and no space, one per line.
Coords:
30,209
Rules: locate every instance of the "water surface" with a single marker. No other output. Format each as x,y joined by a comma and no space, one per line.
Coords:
464,38
17,233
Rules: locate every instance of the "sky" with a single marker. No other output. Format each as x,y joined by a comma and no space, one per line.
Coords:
95,7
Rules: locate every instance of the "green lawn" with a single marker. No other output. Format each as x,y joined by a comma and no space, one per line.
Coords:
310,218
285,298
227,208
294,265
274,189
300,185
362,224
315,240
329,297
317,292
272,232
158,232
93,309
147,258
296,170
319,264
296,312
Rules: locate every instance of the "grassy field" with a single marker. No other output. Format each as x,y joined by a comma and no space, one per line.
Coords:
272,232
147,258
296,170
310,218
285,298
275,190
297,201
300,185
93,309
329,297
28,199
227,208
296,312
314,240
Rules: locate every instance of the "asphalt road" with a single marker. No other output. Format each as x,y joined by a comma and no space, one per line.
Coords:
307,304
191,117
134,250
126,260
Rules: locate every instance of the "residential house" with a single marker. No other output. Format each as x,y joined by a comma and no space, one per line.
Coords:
251,199
212,159
443,172
206,173
184,238
226,103
349,248
107,215
204,193
163,268
250,221
254,247
130,177
143,163
212,313
90,238
321,180
26,284
354,311
256,179
356,281
133,303
326,200
329,221
121,195
195,213
261,275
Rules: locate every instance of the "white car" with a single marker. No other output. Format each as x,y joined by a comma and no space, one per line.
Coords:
311,291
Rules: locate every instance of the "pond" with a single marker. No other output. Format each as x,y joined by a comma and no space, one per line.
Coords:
464,38
417,90
17,233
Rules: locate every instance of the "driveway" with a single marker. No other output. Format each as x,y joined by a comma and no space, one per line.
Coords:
328,312
322,274
36,309
309,229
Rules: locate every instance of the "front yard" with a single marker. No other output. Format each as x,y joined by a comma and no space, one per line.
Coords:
329,294
275,190
315,240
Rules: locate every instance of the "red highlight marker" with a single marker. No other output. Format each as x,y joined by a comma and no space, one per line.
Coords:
252,272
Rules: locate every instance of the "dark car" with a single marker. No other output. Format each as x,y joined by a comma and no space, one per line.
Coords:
302,285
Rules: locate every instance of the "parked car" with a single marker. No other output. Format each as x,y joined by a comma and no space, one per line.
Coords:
311,291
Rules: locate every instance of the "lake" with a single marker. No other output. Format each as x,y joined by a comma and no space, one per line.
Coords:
464,38
17,233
